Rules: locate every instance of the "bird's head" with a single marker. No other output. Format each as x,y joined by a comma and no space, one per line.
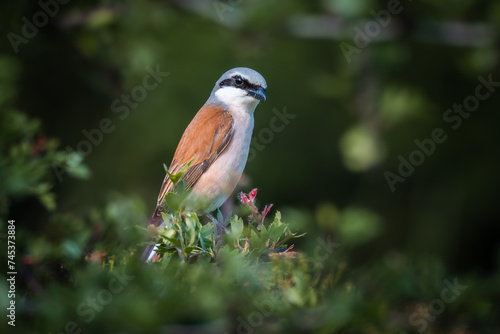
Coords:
240,87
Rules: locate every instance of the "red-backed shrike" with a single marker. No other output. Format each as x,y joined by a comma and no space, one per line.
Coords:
217,141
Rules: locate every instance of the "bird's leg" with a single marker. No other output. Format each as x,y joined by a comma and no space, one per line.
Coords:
219,225
219,228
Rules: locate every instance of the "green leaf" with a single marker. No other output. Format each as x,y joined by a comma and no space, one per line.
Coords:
277,219
73,164
257,243
173,242
166,260
167,218
263,232
176,177
189,249
49,201
71,249
277,232
173,201
206,231
192,227
236,227
294,296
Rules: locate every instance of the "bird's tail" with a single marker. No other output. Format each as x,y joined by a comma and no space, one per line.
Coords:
150,250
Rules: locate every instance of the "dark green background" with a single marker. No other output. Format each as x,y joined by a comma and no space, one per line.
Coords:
353,119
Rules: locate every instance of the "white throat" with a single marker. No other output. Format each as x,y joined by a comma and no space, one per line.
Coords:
237,99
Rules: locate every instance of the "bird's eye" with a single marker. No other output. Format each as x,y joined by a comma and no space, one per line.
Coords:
238,80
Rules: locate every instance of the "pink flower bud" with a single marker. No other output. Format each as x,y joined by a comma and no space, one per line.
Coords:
252,195
243,198
266,210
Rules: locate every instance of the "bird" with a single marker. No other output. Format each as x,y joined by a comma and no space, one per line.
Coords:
215,145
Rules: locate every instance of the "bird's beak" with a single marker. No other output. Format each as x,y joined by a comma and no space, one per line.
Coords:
259,94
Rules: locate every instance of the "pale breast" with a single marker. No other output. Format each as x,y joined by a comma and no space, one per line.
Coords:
220,179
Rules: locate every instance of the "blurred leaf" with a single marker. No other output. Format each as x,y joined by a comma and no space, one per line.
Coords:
327,216
71,249
49,201
357,226
360,149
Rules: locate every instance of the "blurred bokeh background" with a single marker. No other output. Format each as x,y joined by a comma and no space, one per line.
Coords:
354,85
